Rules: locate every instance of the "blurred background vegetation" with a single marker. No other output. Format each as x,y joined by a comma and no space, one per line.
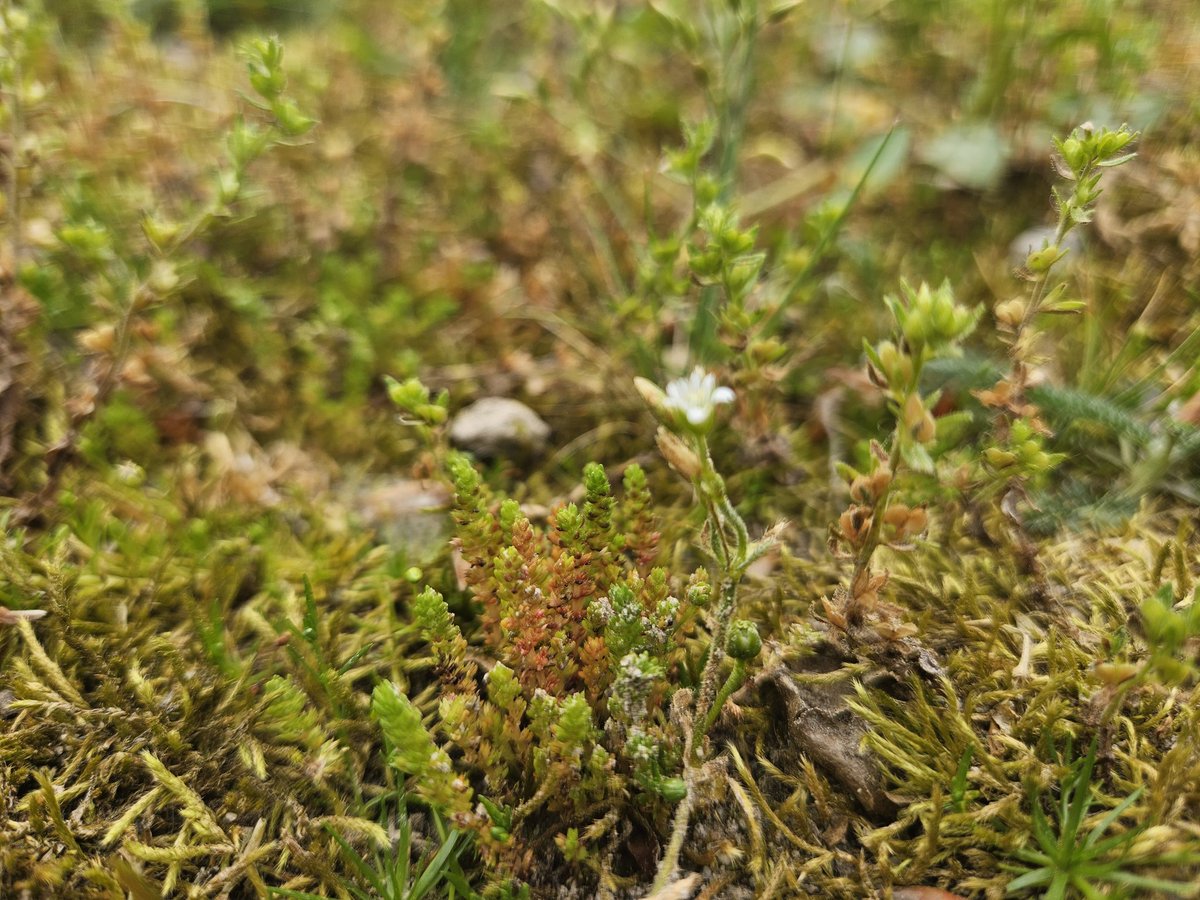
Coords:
201,295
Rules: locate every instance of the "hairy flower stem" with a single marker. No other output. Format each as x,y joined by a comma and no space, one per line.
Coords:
734,681
722,517
679,829
707,710
716,654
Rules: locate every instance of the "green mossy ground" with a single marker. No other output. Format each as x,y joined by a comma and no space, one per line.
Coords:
209,494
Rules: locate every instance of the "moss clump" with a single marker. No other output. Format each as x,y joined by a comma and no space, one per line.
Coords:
225,270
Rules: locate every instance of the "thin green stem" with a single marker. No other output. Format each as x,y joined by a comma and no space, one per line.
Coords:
720,546
691,762
716,649
1019,374
721,510
735,680
738,82
705,481
679,829
739,526
862,562
817,252
735,42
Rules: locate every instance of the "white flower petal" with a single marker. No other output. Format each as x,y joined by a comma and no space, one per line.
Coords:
696,395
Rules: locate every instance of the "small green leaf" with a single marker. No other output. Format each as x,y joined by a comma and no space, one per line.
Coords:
1064,307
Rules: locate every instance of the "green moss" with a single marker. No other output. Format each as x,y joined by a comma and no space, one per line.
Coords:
214,681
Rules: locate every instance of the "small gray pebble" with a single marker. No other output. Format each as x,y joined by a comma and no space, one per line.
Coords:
499,426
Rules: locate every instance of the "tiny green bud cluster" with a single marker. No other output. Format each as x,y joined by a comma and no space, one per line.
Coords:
1082,156
264,59
432,615
414,398
1024,454
413,750
463,476
930,324
503,689
930,320
725,257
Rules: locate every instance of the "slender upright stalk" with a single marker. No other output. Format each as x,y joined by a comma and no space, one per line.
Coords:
1020,371
735,39
722,516
862,560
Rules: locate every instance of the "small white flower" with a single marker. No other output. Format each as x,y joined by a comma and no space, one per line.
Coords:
697,396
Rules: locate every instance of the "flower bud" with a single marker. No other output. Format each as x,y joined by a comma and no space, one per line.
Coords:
163,276
673,790
228,185
100,339
1041,260
854,524
999,458
160,232
743,642
1010,312
765,352
880,481
889,356
926,431
705,264
860,490
914,412
680,456
654,397
1074,153
918,520
1112,142
290,119
945,318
